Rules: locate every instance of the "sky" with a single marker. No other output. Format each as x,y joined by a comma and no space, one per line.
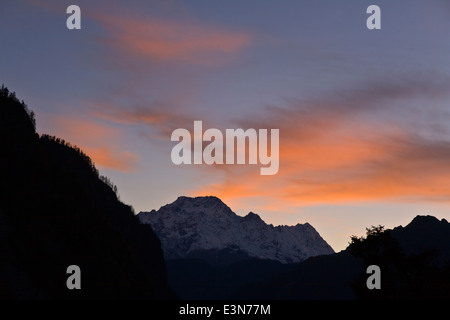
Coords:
363,115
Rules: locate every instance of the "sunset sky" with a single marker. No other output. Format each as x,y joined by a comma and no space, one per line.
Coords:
364,115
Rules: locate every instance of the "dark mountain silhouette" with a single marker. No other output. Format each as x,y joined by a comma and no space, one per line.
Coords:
425,233
414,262
55,211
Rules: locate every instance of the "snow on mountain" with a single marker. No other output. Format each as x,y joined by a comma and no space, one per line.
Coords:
190,226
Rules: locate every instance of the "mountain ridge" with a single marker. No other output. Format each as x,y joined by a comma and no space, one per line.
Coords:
204,226
56,211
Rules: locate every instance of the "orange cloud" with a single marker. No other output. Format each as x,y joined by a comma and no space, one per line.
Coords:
98,141
105,157
339,151
162,40
338,172
82,130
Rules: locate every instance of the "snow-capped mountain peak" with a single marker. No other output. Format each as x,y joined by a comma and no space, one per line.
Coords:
206,227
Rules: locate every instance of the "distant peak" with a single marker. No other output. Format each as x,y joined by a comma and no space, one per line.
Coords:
425,220
252,216
206,202
304,225
199,199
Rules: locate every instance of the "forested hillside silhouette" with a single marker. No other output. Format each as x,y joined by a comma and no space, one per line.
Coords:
56,211
410,270
414,261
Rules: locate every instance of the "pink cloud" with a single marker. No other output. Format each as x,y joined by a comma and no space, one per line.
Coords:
162,40
100,142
